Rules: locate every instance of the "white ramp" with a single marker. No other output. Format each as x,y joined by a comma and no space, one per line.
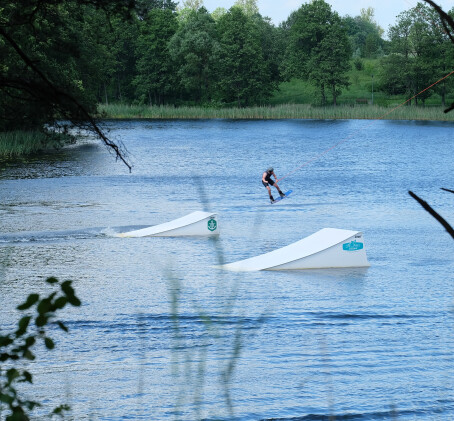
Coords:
196,223
327,248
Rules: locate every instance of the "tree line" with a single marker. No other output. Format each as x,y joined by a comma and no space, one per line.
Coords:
420,53
151,52
233,57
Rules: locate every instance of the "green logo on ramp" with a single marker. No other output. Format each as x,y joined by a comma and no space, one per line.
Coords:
212,224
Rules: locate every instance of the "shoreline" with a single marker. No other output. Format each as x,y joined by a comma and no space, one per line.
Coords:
279,112
18,144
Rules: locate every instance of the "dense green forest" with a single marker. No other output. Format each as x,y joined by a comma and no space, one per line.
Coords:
60,60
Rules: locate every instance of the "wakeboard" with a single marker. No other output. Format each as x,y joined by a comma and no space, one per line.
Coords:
278,199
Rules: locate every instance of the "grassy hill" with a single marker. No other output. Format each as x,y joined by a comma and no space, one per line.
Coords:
360,90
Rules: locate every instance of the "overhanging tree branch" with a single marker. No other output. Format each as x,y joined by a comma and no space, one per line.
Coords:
437,216
54,97
60,95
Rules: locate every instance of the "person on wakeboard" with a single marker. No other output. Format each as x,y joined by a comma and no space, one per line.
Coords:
266,181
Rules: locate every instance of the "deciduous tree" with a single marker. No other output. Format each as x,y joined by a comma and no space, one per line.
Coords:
193,49
155,78
242,71
420,44
249,7
318,48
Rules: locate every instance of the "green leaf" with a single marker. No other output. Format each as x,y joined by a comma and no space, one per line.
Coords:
67,288
23,325
66,285
5,357
52,280
60,302
74,301
18,414
59,410
49,343
12,374
28,355
69,291
30,341
44,306
31,300
5,341
27,377
6,398
41,320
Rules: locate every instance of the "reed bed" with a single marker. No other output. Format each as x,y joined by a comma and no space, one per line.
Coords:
289,111
20,143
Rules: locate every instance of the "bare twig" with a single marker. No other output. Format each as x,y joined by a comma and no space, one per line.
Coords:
429,209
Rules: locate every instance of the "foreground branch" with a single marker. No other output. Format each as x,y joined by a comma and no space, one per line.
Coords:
62,96
429,209
448,190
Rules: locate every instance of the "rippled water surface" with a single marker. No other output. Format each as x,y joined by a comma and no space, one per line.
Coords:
163,334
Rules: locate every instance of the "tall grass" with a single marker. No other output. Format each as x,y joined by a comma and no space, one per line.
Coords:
19,143
286,111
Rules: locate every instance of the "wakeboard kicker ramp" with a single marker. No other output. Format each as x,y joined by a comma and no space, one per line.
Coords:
195,224
327,248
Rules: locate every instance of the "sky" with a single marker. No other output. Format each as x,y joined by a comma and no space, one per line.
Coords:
385,10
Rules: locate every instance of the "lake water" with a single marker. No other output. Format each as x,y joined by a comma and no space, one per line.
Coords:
162,334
